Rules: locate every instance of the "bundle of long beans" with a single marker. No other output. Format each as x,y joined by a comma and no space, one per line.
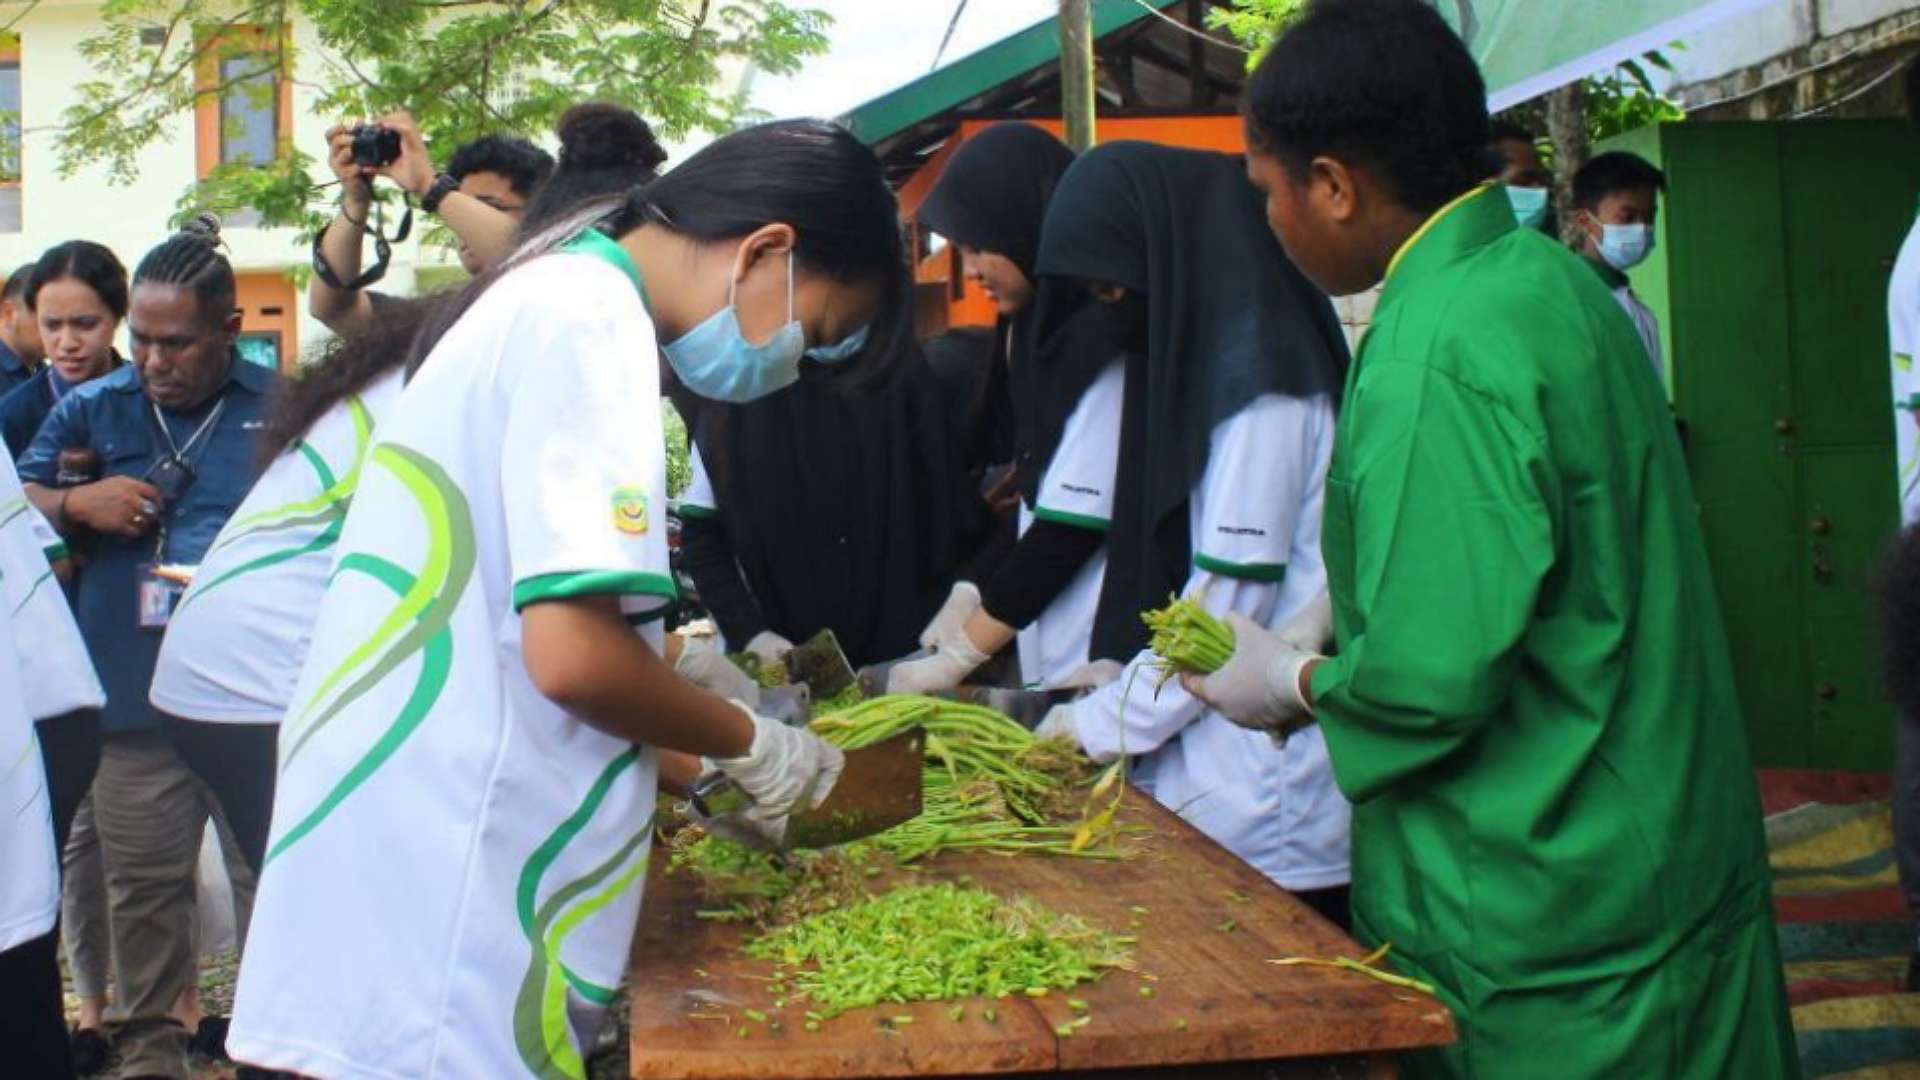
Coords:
1188,638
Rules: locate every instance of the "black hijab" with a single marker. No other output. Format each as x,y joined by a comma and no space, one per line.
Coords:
992,196
1222,317
845,509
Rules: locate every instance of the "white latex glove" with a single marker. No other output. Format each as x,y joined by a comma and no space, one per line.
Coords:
770,647
953,659
786,769
1092,676
1259,688
1059,724
961,603
703,664
1311,628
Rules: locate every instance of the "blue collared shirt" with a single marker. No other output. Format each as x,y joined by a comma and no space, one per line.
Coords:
13,370
113,417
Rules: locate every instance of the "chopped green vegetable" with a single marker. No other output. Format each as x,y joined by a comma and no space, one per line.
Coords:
1146,991
756,1016
937,943
1076,1005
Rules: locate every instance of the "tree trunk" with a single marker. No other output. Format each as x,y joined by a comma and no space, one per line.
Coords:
1567,128
1076,72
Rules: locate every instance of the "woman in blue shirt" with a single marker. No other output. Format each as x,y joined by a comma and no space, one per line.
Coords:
78,294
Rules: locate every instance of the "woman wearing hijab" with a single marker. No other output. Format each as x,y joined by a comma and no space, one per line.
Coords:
989,204
1203,452
824,509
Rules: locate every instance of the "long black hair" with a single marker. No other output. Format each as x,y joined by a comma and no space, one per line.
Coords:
604,150
94,265
347,363
808,174
190,259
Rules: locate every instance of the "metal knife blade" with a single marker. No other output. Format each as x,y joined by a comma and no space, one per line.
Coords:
879,788
821,664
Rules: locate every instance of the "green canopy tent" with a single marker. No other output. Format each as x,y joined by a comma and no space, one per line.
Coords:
1528,47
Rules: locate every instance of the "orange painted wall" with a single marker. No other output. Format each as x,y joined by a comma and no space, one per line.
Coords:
965,305
268,304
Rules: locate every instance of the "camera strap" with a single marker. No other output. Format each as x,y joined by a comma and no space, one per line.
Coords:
382,248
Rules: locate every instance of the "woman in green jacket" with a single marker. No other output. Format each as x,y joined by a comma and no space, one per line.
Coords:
1531,706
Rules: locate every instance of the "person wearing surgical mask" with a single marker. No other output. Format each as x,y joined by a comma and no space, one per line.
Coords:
488,663
1529,183
1616,206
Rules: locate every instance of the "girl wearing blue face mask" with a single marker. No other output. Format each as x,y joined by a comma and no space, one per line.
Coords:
487,667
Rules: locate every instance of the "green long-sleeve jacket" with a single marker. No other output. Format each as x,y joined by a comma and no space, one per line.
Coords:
1532,708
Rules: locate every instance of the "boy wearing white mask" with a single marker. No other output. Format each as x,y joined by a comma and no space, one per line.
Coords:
1616,204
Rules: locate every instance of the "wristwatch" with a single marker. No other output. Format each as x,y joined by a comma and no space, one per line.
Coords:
443,186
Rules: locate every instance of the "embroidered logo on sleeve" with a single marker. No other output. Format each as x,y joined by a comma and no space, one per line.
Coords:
630,510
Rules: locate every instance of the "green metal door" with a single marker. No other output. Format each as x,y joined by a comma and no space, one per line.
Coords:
1776,243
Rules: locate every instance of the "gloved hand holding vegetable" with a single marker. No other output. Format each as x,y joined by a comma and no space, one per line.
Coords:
702,663
1261,686
771,648
784,770
954,658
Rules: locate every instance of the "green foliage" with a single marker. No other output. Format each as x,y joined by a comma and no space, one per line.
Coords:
464,68
1255,23
1624,99
679,457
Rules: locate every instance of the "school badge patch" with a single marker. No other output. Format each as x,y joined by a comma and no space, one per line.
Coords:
630,510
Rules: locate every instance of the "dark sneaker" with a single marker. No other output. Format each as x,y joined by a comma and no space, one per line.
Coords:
210,1039
91,1051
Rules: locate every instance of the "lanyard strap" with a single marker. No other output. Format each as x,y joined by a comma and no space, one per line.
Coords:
199,433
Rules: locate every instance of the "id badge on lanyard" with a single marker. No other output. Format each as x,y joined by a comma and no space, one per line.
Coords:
155,597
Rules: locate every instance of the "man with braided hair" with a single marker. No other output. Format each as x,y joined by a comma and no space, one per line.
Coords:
174,432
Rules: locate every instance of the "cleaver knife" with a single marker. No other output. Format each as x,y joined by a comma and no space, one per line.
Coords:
880,787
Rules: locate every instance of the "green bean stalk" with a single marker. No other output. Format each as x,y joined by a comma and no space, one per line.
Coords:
937,942
1188,639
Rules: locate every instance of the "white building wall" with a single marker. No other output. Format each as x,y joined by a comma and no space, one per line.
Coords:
132,218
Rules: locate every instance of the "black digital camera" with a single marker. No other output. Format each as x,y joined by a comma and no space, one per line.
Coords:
375,145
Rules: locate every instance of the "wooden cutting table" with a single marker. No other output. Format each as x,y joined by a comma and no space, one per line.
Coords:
1218,1009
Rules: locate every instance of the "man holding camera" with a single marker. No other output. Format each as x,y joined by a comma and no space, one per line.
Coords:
480,196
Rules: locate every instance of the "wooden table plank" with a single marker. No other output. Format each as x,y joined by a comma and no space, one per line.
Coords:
1211,923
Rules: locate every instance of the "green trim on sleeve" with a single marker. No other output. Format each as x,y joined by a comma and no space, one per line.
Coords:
56,552
695,510
1078,521
1271,573
567,585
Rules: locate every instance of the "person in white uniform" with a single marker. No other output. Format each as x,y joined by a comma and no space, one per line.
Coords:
41,632
1616,206
476,728
1205,453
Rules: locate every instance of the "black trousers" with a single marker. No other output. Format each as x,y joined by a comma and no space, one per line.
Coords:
238,763
1335,904
70,750
33,1024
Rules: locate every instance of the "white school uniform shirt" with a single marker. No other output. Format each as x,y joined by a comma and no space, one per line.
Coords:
56,674
1646,326
1076,490
1255,526
1903,335
455,869
235,642
29,875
